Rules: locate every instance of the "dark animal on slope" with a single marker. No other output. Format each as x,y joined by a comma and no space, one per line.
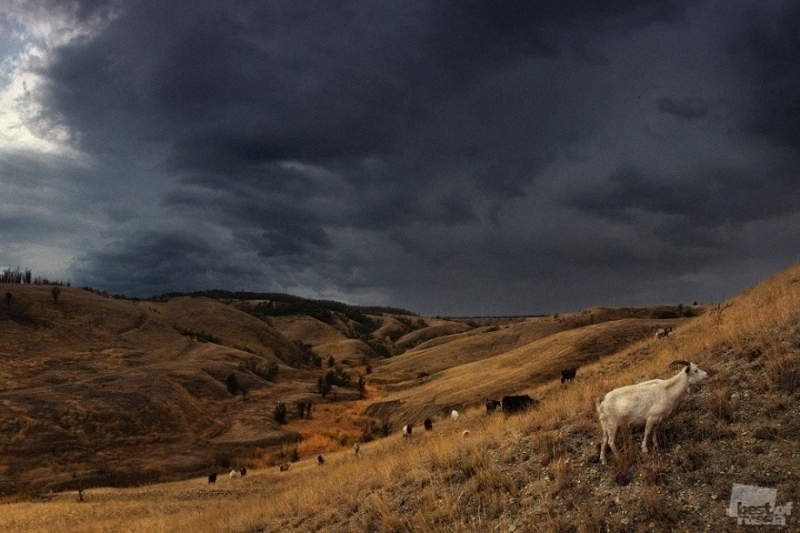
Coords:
428,424
516,403
407,430
320,459
243,471
212,478
284,467
492,405
568,374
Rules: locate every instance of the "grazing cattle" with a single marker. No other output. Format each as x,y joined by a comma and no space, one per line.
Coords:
428,424
646,403
663,332
356,448
233,474
454,415
492,405
212,478
243,471
516,403
407,430
284,467
568,374
320,460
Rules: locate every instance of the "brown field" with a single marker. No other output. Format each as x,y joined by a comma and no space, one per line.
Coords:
115,383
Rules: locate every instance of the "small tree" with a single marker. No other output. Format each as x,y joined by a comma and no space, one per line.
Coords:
331,362
361,386
323,387
304,408
232,383
56,292
9,300
280,413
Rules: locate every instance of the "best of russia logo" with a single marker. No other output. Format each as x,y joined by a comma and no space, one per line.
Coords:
755,506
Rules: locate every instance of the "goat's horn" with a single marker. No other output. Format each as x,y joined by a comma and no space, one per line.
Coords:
680,362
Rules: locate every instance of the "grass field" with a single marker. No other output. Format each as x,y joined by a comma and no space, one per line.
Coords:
532,472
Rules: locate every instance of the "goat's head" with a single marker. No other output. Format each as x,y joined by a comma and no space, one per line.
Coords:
694,373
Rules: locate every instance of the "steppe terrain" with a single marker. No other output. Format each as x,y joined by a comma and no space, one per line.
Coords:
130,403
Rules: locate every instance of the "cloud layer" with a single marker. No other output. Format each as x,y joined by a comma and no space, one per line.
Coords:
447,157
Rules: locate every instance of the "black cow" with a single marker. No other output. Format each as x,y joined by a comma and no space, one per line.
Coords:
243,471
492,405
212,478
516,403
568,374
428,424
320,459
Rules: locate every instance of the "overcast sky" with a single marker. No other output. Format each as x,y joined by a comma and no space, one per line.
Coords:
449,157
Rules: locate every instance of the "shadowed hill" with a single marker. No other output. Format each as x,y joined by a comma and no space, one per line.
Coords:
89,383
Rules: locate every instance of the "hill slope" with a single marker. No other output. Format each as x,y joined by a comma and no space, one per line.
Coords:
88,382
533,472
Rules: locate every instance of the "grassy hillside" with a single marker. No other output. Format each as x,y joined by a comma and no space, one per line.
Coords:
98,390
533,472
108,391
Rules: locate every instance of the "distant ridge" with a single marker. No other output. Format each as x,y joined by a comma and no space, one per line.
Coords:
330,305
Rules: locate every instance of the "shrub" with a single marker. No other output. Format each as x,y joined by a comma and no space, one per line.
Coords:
267,370
323,387
304,408
232,383
200,336
280,413
338,377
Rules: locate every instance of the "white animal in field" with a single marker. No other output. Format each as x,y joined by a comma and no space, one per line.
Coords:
663,332
648,403
454,415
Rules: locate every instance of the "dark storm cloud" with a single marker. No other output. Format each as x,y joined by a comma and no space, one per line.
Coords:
767,49
449,157
706,199
687,108
157,262
303,80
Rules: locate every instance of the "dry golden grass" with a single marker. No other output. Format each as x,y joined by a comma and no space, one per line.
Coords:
532,472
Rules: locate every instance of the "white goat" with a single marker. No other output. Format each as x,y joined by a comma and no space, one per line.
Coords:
454,415
647,403
663,332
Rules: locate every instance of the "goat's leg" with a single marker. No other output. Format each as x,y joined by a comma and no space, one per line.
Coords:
648,428
612,438
603,443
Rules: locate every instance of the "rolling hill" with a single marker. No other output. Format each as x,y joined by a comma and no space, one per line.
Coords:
139,388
